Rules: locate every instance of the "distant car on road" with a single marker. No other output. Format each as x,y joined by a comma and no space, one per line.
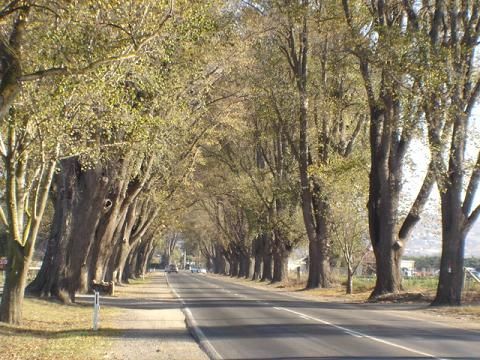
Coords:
172,268
202,271
194,270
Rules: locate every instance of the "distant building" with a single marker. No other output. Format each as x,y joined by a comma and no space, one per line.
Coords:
302,263
407,267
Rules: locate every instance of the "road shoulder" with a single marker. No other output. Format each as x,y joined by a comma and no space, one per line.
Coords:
152,324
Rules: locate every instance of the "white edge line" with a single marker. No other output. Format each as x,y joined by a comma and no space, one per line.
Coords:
195,330
359,334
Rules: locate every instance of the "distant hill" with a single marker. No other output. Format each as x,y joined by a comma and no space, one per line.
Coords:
426,238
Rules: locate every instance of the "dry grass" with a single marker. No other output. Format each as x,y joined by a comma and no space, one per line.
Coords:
416,290
467,316
54,331
362,288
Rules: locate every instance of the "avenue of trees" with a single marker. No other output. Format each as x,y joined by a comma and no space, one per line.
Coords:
245,128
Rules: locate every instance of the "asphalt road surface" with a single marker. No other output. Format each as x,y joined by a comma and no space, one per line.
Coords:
233,321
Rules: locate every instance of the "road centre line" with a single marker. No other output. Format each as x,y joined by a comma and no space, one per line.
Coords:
359,334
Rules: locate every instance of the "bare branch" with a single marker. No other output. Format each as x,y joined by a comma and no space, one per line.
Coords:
3,149
472,188
3,217
413,216
353,137
253,6
64,71
471,220
9,8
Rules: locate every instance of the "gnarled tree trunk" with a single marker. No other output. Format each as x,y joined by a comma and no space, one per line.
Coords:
79,204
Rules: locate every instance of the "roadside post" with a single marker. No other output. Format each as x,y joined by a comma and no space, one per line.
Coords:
3,270
96,309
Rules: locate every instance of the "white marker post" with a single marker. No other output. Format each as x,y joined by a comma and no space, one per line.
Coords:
96,310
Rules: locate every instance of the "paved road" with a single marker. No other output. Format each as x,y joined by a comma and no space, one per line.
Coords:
238,322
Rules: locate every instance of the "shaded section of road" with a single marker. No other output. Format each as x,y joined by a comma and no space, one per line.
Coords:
247,323
151,324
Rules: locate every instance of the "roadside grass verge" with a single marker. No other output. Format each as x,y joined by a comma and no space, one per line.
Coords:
362,288
139,281
54,331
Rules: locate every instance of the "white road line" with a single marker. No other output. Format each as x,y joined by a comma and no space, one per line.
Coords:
359,334
202,339
211,351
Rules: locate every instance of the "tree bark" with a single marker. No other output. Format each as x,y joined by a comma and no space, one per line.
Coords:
267,273
349,280
319,269
80,200
25,209
51,279
384,192
234,266
280,263
258,252
244,268
219,264
454,220
14,289
123,191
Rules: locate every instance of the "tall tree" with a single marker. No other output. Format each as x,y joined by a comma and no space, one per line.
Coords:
386,50
139,104
29,142
450,32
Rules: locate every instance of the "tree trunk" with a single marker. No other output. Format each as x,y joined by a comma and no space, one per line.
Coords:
257,267
384,191
314,264
450,283
246,266
14,288
267,274
131,265
387,255
280,264
122,193
234,266
349,280
104,242
147,258
241,266
78,207
24,212
219,264
123,246
46,281
258,250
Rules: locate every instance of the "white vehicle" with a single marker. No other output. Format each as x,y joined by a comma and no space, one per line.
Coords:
172,268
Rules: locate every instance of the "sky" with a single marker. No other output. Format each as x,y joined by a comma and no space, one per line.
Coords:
426,237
